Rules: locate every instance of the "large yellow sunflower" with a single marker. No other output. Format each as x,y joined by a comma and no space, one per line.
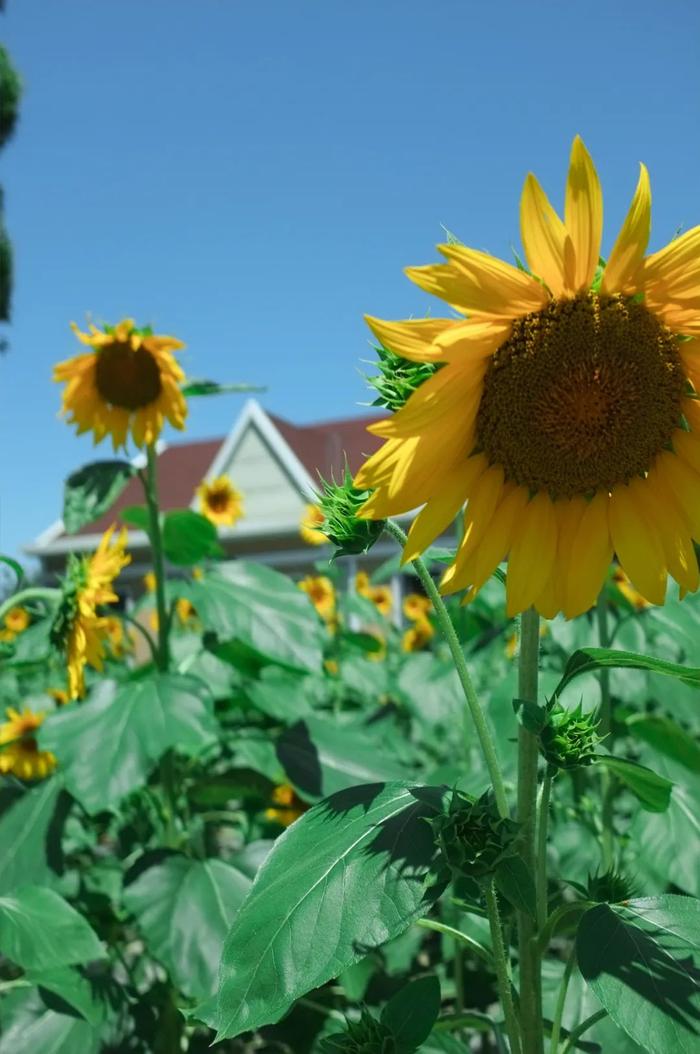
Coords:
565,414
19,752
220,502
128,381
82,632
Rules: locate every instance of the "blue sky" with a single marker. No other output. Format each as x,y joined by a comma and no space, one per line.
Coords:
253,176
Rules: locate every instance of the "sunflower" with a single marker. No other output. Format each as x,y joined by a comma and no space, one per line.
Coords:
417,636
565,414
220,502
78,627
127,381
311,520
321,593
287,806
19,752
149,581
416,606
7,636
17,619
631,595
185,611
381,596
114,631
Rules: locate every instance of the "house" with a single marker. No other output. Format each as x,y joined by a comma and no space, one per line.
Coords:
276,466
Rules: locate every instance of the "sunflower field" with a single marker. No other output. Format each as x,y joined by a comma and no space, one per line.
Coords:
319,816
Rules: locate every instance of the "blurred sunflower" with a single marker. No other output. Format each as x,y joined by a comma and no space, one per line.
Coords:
17,619
19,752
128,381
416,606
309,527
417,636
321,593
114,632
185,611
78,629
287,807
381,596
631,595
149,581
564,414
220,502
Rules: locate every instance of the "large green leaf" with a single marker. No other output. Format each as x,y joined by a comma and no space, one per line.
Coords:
26,828
28,1026
411,1013
40,930
283,695
189,537
666,844
350,874
73,987
262,610
588,659
92,490
184,909
321,756
641,960
666,736
107,747
650,789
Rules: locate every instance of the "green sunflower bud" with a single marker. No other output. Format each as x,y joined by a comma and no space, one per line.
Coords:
340,504
73,581
366,1036
473,837
569,738
398,378
612,887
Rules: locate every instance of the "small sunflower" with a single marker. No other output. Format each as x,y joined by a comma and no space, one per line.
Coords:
310,524
17,619
631,595
59,695
114,631
321,593
565,414
381,596
127,381
19,752
185,611
220,502
416,606
78,628
287,806
149,581
420,634
7,635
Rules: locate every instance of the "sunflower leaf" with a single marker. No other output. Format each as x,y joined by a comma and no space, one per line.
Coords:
205,387
586,660
39,930
189,537
92,490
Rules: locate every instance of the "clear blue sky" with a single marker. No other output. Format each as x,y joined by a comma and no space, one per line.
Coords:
253,175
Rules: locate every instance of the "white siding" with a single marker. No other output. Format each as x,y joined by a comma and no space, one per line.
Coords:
269,494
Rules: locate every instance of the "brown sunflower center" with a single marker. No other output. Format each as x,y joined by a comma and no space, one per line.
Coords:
127,378
219,500
582,396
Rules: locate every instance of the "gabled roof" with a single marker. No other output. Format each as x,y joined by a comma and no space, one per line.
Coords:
305,451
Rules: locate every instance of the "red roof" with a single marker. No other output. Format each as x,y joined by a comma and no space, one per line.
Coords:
321,448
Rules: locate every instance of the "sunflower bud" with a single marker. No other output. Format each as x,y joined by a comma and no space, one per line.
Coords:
340,504
568,739
74,581
473,837
612,887
366,1036
398,378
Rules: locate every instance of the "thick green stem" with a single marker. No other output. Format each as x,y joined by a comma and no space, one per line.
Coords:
150,486
444,621
541,871
502,966
31,593
561,1002
606,789
530,998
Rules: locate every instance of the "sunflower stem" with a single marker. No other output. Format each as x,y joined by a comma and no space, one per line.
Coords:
561,1002
153,647
31,593
606,790
150,486
502,965
528,754
541,874
445,622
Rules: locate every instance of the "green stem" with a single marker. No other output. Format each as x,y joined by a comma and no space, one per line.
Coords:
150,486
577,1032
547,932
153,647
528,754
502,966
457,935
541,871
561,1001
444,621
31,593
606,787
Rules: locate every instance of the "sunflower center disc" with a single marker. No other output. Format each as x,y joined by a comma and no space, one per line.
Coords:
218,500
126,378
582,396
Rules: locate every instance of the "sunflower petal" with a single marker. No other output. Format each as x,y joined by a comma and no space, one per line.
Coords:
532,554
628,251
493,287
544,237
589,555
413,339
637,543
452,389
442,508
583,214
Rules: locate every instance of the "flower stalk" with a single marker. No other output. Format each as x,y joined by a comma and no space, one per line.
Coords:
150,487
502,965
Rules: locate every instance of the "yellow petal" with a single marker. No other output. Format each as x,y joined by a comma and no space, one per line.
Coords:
492,286
442,508
485,496
583,214
663,511
473,339
447,391
545,240
413,339
589,555
628,251
674,271
497,540
532,554
685,485
637,543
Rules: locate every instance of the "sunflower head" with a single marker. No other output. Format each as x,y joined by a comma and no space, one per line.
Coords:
569,738
17,619
340,504
127,382
418,636
310,525
381,596
321,593
473,837
19,752
185,611
609,887
149,581
564,423
286,806
220,502
416,606
366,1036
